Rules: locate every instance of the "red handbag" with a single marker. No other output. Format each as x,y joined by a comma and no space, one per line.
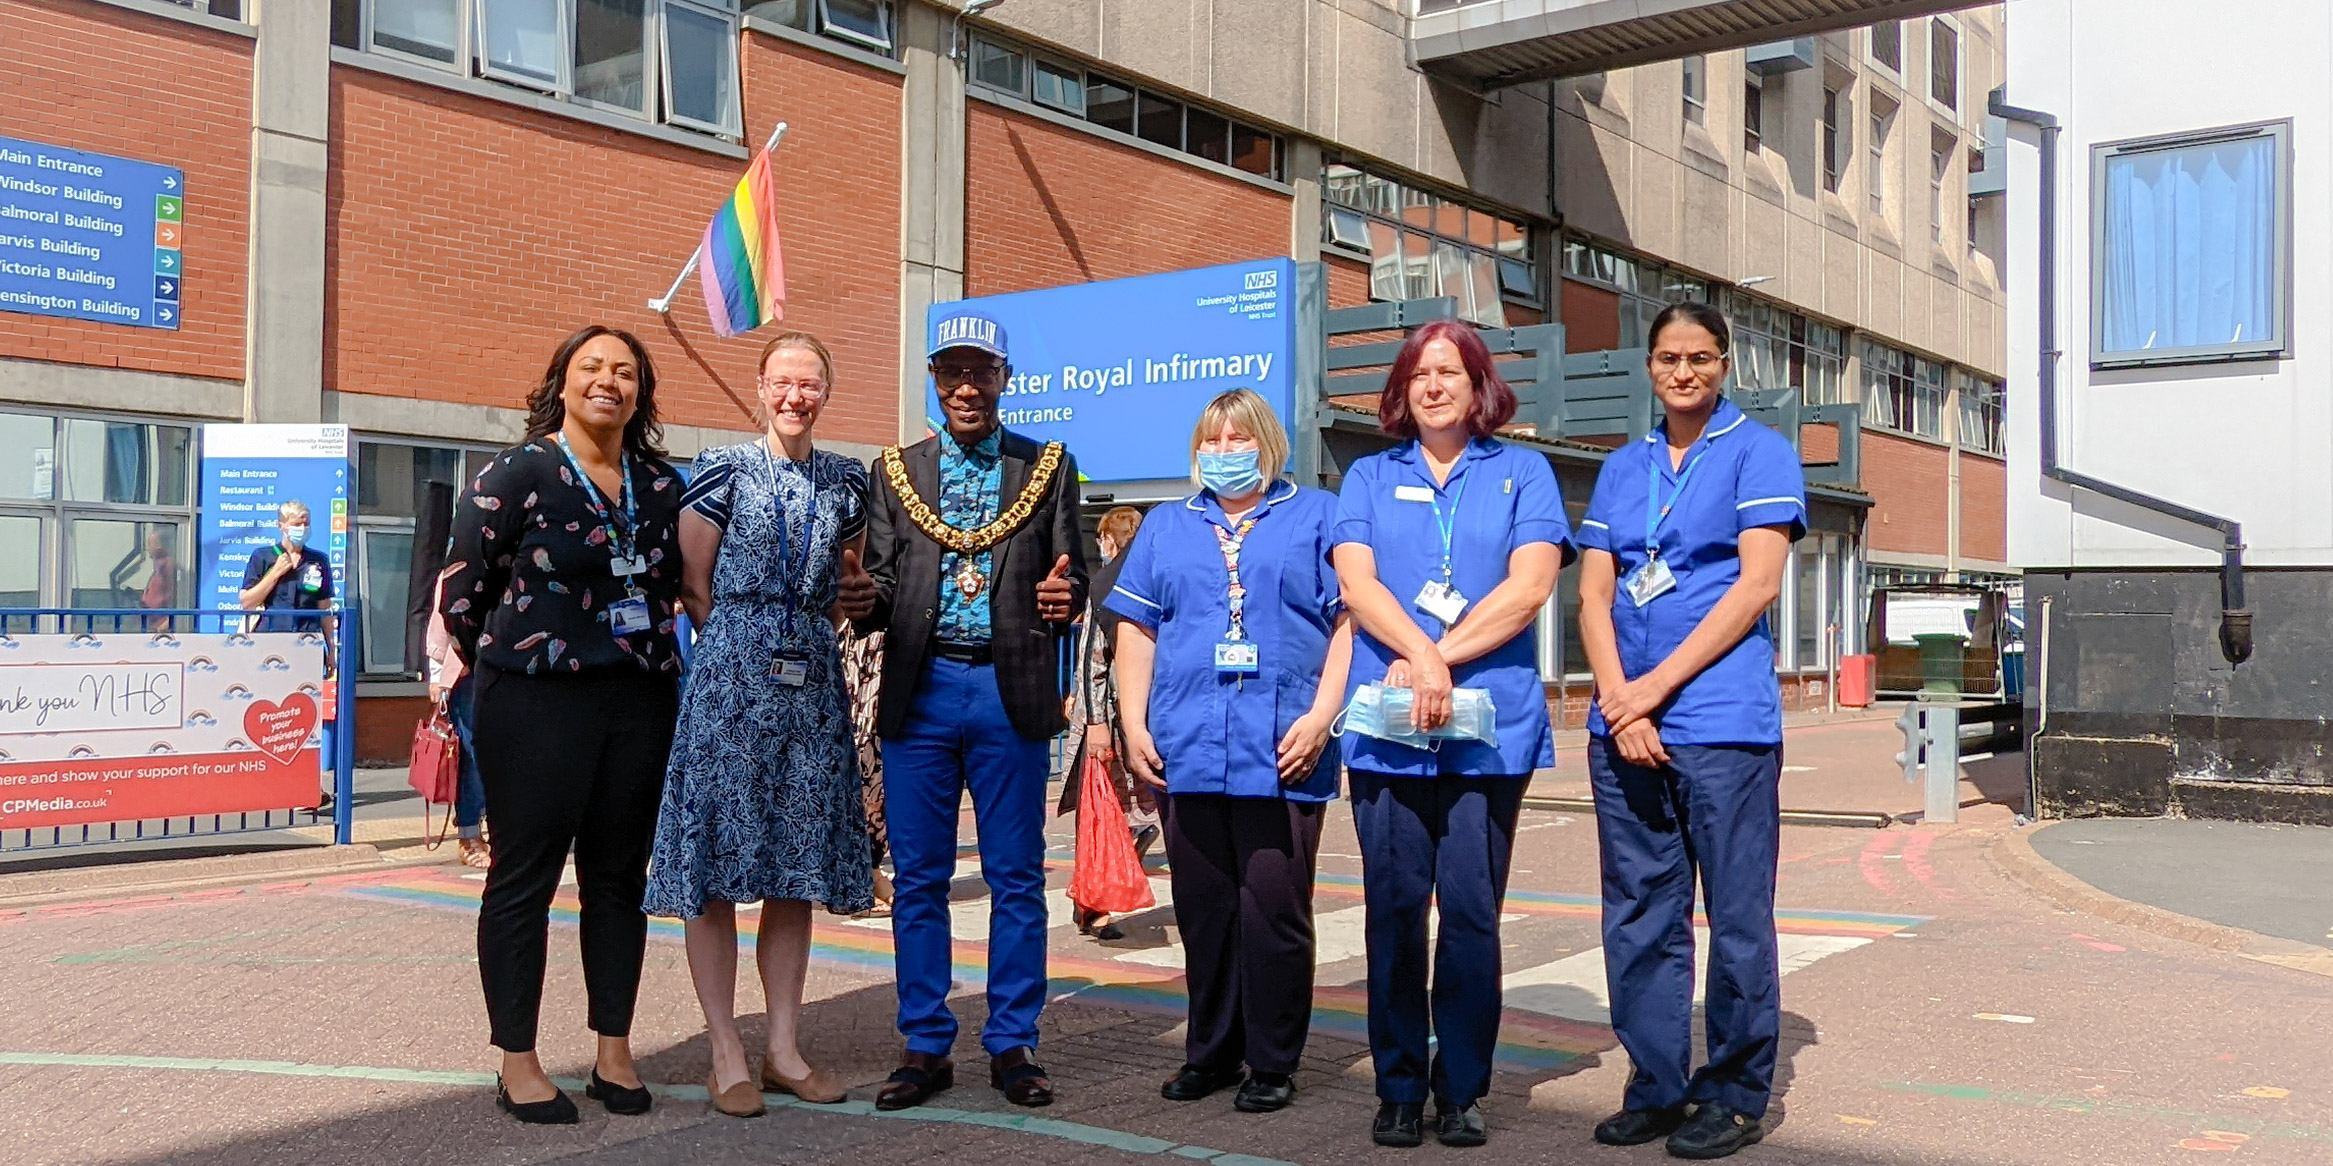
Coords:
436,770
1109,876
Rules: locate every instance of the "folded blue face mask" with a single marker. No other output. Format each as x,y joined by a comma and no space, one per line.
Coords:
1236,474
1384,713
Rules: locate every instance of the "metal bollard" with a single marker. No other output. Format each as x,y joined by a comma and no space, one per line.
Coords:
1932,740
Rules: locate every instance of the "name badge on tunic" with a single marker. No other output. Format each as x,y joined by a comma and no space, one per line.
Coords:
1650,582
625,568
626,616
313,578
791,671
1412,494
1235,658
1442,601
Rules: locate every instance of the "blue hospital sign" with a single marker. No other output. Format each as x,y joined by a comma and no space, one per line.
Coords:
1118,371
90,236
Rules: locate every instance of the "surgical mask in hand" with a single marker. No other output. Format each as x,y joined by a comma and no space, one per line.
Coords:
1236,474
1384,713
295,535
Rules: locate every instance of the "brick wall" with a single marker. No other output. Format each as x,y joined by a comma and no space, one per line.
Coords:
1909,484
92,77
1047,205
1348,281
468,236
1984,508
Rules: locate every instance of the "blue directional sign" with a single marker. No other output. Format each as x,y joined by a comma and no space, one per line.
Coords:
90,236
250,470
1118,371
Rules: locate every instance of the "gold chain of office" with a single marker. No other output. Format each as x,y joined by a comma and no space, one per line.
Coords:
972,542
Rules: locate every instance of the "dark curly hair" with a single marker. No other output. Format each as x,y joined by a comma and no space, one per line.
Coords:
547,411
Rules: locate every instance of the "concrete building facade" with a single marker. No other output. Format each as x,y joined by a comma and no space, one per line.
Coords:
396,207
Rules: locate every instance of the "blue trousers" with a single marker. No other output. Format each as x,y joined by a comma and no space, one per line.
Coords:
957,736
469,789
1446,841
1713,811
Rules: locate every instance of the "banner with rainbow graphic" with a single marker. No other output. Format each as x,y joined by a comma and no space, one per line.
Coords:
740,268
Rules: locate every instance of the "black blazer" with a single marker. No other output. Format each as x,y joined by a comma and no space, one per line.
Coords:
906,566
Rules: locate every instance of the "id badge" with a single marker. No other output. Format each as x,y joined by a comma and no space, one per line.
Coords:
1235,658
790,671
625,568
312,579
1442,601
626,616
1650,582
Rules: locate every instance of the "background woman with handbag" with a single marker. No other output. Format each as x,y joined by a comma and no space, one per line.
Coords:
1094,709
450,691
1231,663
1448,546
762,801
562,580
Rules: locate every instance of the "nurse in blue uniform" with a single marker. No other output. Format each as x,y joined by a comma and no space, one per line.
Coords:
1231,666
1685,541
1447,546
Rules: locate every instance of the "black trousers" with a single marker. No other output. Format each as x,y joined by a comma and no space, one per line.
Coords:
568,761
1242,871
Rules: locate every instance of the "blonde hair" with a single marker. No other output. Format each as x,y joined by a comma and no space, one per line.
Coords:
1119,526
1250,414
802,340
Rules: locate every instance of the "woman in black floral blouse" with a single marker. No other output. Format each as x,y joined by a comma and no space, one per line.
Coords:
560,595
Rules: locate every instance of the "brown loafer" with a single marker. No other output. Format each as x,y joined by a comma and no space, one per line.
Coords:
918,1077
817,1087
1022,1080
739,1100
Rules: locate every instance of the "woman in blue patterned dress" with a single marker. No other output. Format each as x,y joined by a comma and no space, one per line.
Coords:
761,798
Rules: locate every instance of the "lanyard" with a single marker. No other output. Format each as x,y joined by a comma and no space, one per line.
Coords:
1654,509
619,534
1448,526
1236,596
788,569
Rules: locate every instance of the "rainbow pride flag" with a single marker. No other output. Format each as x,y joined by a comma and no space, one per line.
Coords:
739,266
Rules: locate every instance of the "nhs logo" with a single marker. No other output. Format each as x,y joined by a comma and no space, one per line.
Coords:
1260,280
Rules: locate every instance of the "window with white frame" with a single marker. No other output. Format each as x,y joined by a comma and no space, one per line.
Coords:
1776,348
1902,392
95,512
392,486
2191,247
1005,66
670,61
1423,245
1941,148
1887,45
1834,157
1883,120
1944,62
1981,413
1817,617
1753,114
1696,88
1644,287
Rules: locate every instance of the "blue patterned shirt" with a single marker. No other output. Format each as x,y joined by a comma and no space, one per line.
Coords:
971,485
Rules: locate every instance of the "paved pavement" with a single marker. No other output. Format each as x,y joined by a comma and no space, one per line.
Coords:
1936,1011
2276,880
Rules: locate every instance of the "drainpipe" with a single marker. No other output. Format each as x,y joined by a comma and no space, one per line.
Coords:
2235,618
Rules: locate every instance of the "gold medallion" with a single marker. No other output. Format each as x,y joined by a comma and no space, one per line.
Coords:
972,542
968,578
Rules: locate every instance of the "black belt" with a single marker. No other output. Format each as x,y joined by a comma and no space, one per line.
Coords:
964,653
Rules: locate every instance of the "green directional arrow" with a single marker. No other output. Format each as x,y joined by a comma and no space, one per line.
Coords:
169,208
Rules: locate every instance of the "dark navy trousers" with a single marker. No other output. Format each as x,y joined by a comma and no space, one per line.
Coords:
1443,841
957,737
1712,812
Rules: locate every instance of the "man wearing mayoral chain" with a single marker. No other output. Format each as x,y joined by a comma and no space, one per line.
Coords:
974,568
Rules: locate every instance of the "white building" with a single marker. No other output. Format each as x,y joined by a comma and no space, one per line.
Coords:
2177,541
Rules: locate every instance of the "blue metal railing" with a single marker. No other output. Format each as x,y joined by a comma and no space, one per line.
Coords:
339,732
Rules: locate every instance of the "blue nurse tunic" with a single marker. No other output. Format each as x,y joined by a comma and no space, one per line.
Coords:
1220,733
1499,498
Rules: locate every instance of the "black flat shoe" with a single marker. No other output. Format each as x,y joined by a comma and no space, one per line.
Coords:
1190,1083
1399,1123
1715,1131
1461,1127
1635,1127
619,1100
1265,1093
558,1111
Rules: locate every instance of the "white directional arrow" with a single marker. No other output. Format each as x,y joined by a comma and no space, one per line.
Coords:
166,314
169,182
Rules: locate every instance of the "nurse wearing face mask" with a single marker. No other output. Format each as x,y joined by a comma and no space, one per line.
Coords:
1448,546
289,575
1231,664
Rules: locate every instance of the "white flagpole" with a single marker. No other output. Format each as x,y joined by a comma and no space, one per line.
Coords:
663,306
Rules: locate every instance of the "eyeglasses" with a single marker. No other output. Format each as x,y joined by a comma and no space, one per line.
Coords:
962,374
785,385
1698,361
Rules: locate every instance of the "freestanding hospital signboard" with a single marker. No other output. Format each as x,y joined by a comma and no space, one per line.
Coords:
90,236
1118,371
249,471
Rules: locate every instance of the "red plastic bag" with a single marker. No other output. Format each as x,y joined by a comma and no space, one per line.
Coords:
1109,874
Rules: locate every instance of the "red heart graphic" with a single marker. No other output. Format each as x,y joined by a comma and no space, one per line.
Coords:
280,730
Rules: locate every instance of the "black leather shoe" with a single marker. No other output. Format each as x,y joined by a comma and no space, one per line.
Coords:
918,1077
1016,1074
1635,1127
1460,1127
1715,1131
1265,1093
1399,1123
1190,1083
619,1100
559,1110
